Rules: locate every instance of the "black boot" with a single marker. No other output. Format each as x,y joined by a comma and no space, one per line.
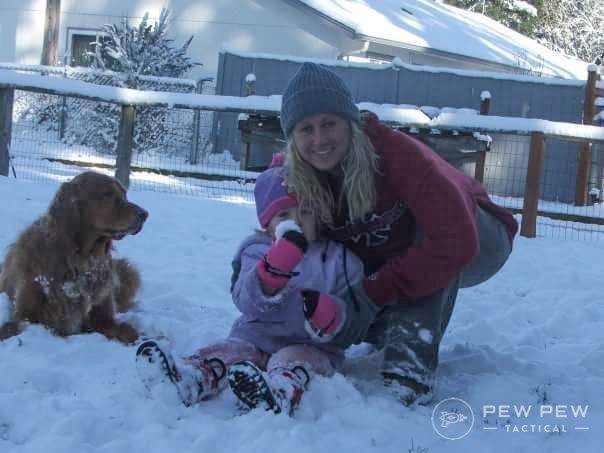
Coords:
192,384
280,390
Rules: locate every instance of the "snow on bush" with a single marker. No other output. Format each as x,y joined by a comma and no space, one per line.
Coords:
125,57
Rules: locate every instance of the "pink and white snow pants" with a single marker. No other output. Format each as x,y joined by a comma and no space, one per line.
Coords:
233,350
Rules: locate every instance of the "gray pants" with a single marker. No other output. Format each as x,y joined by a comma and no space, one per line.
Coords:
410,333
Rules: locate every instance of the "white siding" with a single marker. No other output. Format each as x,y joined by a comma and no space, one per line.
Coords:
21,30
271,26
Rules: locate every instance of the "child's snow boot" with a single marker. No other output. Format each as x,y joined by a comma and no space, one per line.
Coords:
279,390
193,384
407,390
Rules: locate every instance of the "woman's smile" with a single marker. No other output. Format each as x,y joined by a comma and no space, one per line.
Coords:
322,140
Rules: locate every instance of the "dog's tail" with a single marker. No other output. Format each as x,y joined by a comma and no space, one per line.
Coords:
128,284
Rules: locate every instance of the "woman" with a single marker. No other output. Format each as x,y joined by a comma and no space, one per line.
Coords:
422,228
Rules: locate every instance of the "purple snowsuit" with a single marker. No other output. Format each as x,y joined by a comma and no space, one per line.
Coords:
274,322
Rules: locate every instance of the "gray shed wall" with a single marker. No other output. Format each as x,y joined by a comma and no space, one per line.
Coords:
506,163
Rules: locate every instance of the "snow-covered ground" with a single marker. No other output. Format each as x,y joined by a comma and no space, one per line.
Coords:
532,336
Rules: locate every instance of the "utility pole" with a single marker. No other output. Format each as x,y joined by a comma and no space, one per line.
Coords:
52,24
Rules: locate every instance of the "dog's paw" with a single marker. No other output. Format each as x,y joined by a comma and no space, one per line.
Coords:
125,333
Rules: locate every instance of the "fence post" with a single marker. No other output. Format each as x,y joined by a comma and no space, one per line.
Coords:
585,147
194,156
6,122
528,228
485,106
124,144
246,134
246,146
62,117
599,92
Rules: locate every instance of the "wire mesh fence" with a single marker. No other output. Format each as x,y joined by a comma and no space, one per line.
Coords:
55,137
558,217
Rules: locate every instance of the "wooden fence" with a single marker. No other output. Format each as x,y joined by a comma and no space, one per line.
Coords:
589,110
129,100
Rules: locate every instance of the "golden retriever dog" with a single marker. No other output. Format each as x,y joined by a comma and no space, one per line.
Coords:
60,273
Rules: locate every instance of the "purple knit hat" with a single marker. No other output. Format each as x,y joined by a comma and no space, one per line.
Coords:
271,194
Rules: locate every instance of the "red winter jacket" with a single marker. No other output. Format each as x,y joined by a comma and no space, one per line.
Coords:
416,186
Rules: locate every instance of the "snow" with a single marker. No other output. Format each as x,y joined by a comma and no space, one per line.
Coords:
435,25
481,137
447,118
129,96
398,63
531,336
519,125
425,335
62,70
526,7
397,113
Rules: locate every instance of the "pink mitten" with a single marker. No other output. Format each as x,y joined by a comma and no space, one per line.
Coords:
324,315
284,255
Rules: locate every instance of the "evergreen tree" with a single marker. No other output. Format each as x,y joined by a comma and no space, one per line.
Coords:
521,16
142,50
573,27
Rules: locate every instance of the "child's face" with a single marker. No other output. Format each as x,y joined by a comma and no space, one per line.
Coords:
305,219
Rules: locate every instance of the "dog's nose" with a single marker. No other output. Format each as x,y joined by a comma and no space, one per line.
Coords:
142,215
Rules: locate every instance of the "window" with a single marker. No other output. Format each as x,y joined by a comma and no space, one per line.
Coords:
80,43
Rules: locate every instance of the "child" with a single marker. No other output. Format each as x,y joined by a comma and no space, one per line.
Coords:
293,292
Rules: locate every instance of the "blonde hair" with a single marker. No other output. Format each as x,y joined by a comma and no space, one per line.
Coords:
359,168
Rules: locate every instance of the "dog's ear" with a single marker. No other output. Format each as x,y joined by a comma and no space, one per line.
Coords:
65,208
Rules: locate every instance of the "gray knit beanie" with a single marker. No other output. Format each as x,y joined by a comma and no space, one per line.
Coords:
312,90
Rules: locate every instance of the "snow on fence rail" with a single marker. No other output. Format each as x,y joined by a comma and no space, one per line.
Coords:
272,105
129,100
78,72
137,98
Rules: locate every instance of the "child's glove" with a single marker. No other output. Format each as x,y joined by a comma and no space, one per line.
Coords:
287,251
324,315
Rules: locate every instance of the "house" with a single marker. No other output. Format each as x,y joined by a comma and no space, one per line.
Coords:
423,32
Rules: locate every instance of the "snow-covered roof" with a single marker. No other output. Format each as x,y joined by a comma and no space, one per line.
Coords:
434,25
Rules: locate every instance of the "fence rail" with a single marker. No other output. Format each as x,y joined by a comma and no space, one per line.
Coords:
227,180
